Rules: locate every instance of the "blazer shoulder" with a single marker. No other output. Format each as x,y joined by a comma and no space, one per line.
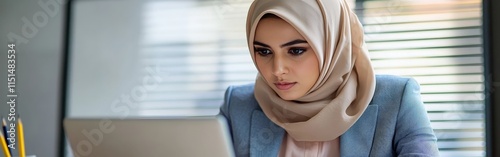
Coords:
244,91
391,81
404,120
239,99
389,89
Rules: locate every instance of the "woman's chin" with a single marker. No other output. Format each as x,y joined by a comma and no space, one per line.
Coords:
288,96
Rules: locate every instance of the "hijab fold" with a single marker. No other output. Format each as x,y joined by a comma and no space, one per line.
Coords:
346,83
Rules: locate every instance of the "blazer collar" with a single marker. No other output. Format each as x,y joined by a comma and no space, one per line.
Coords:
266,137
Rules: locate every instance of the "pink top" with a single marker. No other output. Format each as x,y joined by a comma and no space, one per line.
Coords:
292,148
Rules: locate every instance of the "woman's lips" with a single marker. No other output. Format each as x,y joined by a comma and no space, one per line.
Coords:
284,85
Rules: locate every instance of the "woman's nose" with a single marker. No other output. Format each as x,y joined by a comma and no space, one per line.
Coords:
280,66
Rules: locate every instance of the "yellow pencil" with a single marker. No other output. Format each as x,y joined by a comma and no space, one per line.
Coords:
4,127
4,146
22,153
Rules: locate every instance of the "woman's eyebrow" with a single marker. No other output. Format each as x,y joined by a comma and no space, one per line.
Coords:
261,44
296,41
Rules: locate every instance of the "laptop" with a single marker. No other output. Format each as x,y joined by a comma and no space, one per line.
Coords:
162,137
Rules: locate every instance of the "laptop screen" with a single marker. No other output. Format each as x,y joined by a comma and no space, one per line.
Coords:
189,136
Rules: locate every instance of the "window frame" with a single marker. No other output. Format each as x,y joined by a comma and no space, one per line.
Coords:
492,76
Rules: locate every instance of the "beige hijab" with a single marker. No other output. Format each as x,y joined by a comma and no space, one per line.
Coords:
346,83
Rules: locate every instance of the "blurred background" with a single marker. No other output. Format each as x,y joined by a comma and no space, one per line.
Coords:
155,58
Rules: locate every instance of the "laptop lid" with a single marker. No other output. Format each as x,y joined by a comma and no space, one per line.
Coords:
179,137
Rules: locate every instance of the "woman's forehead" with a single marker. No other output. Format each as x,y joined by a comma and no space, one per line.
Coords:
276,30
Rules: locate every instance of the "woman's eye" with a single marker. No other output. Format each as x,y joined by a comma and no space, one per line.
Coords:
263,52
296,51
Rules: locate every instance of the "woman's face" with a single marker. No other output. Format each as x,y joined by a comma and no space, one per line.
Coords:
284,58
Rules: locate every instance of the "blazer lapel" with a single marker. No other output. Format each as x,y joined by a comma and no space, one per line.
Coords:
265,136
358,140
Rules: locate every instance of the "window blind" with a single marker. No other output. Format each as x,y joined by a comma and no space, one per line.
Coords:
198,68
438,43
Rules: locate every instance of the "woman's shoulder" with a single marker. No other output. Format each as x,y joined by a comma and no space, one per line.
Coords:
244,91
390,89
240,98
391,81
404,119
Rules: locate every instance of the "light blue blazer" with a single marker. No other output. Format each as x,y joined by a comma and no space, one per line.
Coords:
394,124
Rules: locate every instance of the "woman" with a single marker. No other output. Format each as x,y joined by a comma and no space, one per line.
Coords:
316,93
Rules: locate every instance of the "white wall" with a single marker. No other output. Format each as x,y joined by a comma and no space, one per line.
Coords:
104,58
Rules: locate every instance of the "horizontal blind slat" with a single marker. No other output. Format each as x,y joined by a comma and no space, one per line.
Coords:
422,35
458,125
390,18
420,53
426,62
431,43
405,27
444,70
